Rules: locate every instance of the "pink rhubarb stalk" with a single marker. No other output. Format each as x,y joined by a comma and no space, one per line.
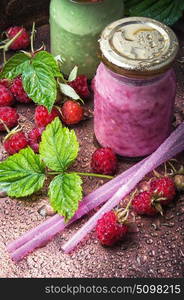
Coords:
172,145
44,232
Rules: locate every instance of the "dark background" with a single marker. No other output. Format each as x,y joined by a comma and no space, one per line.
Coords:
22,12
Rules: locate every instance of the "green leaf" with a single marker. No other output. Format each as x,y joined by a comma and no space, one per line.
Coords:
22,174
128,4
40,84
47,59
165,15
73,74
156,9
142,6
59,146
59,58
175,13
38,74
15,66
166,11
68,91
65,192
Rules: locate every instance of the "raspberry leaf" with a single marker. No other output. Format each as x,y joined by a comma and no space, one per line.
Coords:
73,74
47,59
15,66
40,84
65,192
22,174
166,11
38,74
59,146
68,91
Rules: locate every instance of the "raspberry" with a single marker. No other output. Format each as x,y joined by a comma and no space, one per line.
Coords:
9,116
6,97
23,40
43,117
34,138
109,231
142,204
18,91
163,187
72,112
15,142
5,82
80,86
104,161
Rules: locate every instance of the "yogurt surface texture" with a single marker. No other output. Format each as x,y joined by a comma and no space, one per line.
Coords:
135,86
75,29
133,117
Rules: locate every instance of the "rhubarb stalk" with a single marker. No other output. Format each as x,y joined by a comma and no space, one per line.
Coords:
172,145
44,232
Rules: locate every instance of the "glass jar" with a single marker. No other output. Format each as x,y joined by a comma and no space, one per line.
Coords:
75,28
135,86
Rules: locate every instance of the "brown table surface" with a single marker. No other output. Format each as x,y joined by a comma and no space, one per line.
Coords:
155,250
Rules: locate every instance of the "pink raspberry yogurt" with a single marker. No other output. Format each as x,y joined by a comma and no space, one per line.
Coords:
135,86
133,117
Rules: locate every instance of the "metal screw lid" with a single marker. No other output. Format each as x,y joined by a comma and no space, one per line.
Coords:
138,46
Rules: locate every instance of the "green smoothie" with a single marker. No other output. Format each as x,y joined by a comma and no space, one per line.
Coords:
75,29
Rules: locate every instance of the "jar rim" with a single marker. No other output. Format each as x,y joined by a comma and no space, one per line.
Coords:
138,47
134,74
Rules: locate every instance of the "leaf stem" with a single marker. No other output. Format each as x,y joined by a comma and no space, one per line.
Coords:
5,126
4,56
5,46
54,173
32,37
84,174
95,175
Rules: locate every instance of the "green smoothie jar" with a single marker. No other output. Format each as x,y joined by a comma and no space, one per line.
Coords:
75,28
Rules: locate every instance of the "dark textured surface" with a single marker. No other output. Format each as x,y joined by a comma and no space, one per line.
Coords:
21,12
156,250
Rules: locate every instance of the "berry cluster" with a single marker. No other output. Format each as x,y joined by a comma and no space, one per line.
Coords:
158,193
71,113
12,91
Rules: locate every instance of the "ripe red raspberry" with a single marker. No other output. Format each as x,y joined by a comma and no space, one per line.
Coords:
6,97
80,85
104,161
43,117
34,138
109,231
15,142
23,40
163,187
18,91
72,112
9,116
142,204
5,82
